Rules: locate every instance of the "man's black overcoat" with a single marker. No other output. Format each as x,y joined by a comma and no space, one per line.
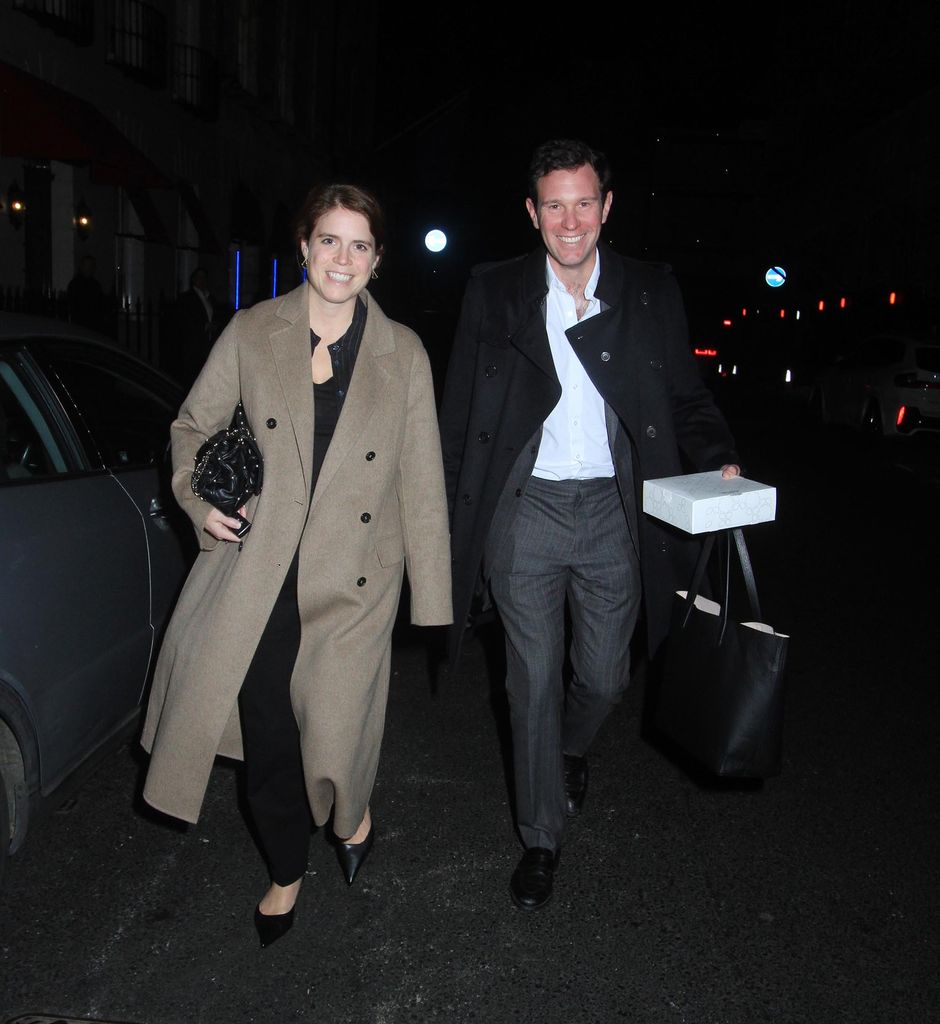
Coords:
501,385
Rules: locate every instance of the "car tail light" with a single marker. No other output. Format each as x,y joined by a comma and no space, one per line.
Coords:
901,413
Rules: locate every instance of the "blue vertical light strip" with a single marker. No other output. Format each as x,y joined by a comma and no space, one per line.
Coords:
274,278
238,276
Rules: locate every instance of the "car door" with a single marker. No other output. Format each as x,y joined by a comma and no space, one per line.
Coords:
75,632
125,409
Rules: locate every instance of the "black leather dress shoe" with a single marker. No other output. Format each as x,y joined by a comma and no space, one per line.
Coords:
576,782
531,882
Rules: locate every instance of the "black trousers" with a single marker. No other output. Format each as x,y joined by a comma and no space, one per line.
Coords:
274,774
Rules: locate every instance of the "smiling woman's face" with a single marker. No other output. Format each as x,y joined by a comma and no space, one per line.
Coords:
340,254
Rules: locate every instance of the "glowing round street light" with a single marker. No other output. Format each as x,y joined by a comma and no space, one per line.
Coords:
435,240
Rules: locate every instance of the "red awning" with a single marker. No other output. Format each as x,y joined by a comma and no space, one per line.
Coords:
39,121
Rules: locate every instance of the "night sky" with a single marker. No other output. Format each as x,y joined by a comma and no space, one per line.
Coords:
768,97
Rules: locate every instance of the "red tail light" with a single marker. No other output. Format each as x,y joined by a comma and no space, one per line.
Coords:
901,413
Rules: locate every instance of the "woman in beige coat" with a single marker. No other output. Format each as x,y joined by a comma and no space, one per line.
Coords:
279,646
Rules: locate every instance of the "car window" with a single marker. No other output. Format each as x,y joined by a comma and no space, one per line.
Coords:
927,358
879,352
28,447
127,409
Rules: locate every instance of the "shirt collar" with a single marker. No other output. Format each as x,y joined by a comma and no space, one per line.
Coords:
554,281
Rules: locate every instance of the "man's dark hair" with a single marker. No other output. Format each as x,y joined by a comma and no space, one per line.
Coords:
566,155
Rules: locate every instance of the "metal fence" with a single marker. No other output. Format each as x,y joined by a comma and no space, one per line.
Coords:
135,326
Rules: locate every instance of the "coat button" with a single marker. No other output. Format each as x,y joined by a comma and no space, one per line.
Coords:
483,437
490,371
518,492
467,500
370,456
605,357
270,423
365,517
651,432
657,364
361,582
533,450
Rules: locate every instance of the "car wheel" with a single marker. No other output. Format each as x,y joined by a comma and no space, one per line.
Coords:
871,420
4,828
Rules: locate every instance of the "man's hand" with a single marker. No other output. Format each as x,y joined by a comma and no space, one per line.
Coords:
727,472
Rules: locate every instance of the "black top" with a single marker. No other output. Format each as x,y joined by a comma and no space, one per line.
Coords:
329,396
344,350
326,407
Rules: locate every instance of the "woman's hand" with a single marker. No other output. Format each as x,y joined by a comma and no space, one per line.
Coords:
221,526
727,472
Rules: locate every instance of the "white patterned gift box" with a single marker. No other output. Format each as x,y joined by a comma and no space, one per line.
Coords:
703,502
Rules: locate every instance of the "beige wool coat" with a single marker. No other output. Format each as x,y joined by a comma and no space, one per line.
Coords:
379,506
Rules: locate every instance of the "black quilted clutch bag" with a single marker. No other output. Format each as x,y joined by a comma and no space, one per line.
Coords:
229,468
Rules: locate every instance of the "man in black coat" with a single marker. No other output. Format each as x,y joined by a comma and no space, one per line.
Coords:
570,382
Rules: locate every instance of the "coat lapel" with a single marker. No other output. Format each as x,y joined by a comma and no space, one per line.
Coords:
365,392
531,338
290,346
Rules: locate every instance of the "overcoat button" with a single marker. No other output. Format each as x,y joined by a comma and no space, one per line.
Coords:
365,517
518,492
657,364
651,432
361,582
490,371
533,450
271,423
370,456
484,437
605,357
467,500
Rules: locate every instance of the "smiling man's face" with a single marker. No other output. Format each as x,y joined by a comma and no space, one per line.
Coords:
569,215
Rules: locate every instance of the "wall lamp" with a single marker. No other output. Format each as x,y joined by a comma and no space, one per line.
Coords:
16,205
82,220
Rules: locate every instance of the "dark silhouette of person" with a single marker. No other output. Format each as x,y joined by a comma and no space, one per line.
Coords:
193,329
85,298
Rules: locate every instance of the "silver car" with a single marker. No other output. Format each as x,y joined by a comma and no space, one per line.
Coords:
92,554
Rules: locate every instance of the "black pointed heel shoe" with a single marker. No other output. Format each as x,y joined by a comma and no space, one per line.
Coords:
272,927
352,856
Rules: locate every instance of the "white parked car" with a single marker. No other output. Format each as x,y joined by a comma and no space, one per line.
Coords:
888,384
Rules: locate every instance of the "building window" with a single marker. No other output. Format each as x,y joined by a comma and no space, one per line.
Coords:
137,40
196,80
74,19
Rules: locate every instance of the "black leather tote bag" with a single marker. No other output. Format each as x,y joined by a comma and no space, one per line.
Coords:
721,698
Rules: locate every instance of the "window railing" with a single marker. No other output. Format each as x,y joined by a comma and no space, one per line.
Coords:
72,18
196,80
137,40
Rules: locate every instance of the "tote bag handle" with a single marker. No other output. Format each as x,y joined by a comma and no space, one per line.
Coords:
747,571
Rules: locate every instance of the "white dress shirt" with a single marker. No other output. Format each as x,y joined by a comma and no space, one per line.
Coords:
574,436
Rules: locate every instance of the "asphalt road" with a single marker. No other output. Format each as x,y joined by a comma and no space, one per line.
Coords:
811,898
